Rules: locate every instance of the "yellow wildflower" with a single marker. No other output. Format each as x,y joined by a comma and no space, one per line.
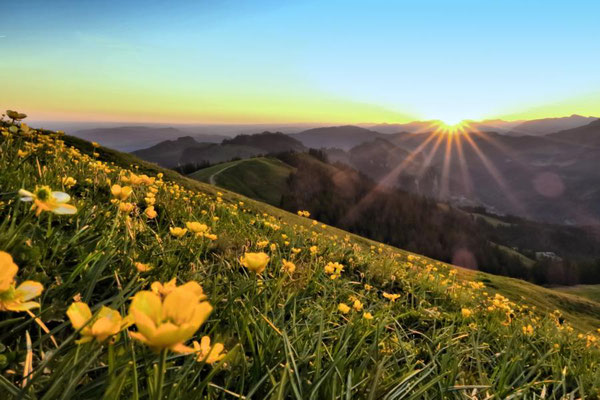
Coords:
391,297
164,289
121,192
334,269
466,313
357,305
288,266
527,330
178,232
150,212
68,181
16,298
255,262
343,308
126,208
196,227
141,267
206,353
106,323
44,199
367,315
168,322
262,244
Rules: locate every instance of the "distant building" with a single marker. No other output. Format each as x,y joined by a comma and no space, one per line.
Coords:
549,255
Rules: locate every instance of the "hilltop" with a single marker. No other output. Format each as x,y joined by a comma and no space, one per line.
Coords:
353,318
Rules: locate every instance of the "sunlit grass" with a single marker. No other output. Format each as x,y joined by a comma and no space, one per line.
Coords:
350,319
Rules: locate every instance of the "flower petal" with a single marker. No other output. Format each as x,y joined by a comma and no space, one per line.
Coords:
61,197
79,313
147,303
65,209
28,290
8,270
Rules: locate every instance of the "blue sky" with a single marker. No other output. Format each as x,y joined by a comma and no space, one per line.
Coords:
317,61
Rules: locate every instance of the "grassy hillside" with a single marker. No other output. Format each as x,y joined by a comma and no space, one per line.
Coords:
591,292
259,178
353,319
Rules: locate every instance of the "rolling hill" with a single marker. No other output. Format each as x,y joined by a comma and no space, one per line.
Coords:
353,317
188,151
341,137
260,178
169,152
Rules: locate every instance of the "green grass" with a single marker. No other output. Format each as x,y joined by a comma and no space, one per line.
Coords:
259,178
491,220
448,335
591,292
528,262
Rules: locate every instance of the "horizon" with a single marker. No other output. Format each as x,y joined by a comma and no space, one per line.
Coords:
301,63
98,124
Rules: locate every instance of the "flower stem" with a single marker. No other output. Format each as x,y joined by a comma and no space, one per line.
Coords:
161,374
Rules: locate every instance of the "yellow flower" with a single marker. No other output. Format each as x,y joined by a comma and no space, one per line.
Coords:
391,297
313,249
357,305
527,330
343,308
206,353
334,269
44,199
255,262
273,247
168,322
368,315
178,232
466,313
95,144
210,236
150,212
22,153
107,322
141,267
368,287
288,266
16,298
121,192
126,208
69,182
197,227
262,244
164,289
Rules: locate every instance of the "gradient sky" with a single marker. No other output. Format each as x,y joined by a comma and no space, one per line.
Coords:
299,61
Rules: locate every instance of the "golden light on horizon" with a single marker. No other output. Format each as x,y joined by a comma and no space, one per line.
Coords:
451,127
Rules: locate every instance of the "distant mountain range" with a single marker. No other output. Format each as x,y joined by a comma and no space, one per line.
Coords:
187,150
130,138
536,127
548,176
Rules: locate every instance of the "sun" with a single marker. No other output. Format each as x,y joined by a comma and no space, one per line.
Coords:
451,127
451,121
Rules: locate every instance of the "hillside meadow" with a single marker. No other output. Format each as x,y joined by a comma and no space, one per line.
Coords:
122,280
